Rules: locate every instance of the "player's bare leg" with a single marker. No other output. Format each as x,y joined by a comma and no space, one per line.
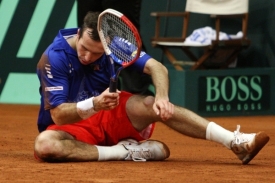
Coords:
183,120
59,146
52,145
186,122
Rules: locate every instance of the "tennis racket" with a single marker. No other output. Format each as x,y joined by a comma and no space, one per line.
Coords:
121,42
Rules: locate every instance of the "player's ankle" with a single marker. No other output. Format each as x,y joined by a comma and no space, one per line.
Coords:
216,133
116,152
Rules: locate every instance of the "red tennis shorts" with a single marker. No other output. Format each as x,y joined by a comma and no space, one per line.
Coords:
106,128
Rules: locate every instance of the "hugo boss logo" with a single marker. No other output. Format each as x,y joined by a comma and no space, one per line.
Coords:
229,88
234,93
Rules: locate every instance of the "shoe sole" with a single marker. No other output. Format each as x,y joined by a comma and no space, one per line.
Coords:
261,139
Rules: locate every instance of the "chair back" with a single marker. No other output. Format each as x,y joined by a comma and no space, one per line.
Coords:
218,7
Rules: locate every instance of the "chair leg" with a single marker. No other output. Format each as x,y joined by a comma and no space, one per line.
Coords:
171,58
199,63
189,53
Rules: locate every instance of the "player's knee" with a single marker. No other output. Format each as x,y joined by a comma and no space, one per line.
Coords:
149,101
45,146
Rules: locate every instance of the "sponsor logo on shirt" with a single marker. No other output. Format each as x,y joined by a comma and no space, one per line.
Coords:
54,88
48,71
142,53
49,76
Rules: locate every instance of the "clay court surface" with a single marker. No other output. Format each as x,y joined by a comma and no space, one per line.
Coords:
191,160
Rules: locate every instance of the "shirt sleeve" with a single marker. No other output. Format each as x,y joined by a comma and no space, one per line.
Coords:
54,76
141,61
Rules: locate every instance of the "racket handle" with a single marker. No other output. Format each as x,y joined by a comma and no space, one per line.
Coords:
113,86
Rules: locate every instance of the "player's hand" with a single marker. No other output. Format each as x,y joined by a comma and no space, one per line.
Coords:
163,108
106,100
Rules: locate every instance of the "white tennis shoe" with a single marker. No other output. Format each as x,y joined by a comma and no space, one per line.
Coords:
128,142
246,146
150,150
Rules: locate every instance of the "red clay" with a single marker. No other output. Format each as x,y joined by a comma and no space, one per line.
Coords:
191,160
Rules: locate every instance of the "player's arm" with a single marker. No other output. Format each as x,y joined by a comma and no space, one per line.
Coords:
159,75
68,113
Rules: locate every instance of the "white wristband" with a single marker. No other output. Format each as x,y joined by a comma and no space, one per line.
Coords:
85,108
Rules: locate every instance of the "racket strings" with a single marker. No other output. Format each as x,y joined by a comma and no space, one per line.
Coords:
119,37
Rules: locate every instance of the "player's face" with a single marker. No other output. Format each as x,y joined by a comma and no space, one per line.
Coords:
88,50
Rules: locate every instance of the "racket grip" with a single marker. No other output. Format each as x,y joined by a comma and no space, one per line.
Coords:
113,86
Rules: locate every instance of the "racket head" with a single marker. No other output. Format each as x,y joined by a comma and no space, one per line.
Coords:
120,38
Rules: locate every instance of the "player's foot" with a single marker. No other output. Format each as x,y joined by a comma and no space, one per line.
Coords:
150,150
246,146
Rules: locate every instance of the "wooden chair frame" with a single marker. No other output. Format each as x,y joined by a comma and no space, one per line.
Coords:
236,45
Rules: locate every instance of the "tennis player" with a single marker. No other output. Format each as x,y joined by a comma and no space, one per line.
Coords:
80,120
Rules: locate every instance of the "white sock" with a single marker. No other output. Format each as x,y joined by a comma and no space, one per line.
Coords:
116,152
218,134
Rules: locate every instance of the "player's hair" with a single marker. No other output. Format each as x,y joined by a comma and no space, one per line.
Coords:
90,22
